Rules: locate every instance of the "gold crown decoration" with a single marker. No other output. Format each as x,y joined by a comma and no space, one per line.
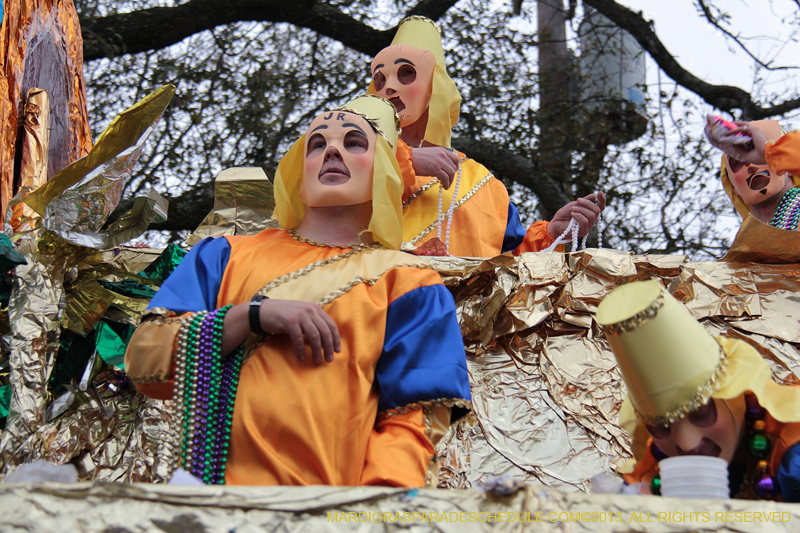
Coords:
379,112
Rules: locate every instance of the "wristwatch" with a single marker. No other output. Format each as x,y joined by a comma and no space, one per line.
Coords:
254,314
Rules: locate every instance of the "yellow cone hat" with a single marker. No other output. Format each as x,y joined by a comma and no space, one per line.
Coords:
445,104
386,224
672,365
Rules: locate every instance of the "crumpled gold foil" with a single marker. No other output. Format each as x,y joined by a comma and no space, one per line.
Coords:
757,242
99,422
545,387
35,149
35,34
243,205
78,200
138,507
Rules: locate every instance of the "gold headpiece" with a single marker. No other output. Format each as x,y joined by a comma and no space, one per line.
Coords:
386,123
672,365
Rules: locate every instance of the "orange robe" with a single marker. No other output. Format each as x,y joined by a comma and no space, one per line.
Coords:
296,423
783,155
481,216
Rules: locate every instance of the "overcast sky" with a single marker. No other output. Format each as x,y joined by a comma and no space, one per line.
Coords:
767,26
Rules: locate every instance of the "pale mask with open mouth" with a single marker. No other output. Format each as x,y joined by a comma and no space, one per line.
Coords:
757,183
403,75
339,159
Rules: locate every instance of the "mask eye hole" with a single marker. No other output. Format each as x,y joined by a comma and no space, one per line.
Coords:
316,145
356,142
406,74
705,416
734,165
379,80
659,431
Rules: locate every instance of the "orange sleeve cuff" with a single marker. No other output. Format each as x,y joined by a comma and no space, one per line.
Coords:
783,155
398,452
403,153
536,239
149,358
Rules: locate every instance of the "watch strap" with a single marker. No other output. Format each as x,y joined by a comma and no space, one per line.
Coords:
254,314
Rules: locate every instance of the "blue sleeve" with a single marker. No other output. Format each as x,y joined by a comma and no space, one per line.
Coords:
423,353
515,233
194,285
788,476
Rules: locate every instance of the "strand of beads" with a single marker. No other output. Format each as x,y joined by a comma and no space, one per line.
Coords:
787,215
572,228
758,484
439,215
190,388
449,215
208,385
451,209
599,225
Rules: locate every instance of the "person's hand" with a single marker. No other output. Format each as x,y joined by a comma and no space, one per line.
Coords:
435,161
754,153
583,210
305,323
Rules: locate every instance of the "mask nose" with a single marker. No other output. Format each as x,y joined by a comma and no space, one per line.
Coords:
687,437
332,152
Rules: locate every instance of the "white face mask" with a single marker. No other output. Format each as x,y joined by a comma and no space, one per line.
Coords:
757,183
404,75
339,158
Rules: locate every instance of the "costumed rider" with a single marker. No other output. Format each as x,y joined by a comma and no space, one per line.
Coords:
760,176
482,221
692,394
350,352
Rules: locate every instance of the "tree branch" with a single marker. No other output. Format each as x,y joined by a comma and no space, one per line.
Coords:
513,167
158,27
714,21
724,97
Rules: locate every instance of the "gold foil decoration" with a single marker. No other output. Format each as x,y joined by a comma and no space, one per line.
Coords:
757,242
41,46
35,149
78,200
176,508
546,389
112,432
243,205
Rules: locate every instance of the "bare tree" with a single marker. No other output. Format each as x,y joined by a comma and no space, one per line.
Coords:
251,73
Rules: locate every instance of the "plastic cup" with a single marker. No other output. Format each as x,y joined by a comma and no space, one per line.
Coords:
694,476
693,463
696,494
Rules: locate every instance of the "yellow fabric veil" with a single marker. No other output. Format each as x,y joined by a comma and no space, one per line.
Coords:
386,224
445,104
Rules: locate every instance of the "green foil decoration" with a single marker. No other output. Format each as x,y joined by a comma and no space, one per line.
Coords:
168,261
